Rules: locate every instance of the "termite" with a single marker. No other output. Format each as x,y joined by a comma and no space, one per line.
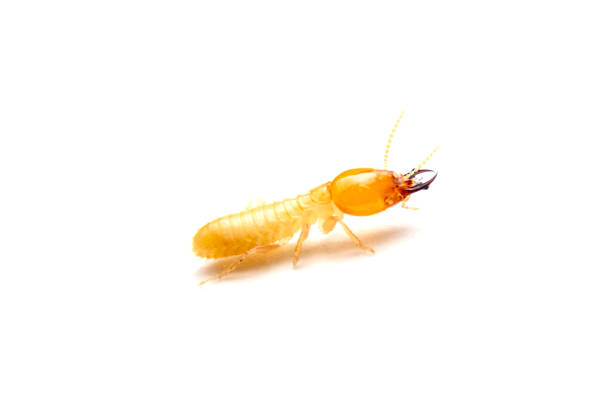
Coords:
263,227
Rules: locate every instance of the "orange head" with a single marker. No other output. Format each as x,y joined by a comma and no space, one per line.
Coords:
369,191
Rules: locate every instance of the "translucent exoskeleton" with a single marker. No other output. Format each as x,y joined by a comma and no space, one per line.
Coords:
263,227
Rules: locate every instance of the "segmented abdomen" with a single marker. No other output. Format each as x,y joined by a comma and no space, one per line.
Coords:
237,233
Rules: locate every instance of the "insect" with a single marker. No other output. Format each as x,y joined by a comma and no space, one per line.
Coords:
263,227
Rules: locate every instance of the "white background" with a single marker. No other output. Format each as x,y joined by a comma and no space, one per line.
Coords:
127,125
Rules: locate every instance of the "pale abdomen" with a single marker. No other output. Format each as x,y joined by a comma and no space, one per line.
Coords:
237,233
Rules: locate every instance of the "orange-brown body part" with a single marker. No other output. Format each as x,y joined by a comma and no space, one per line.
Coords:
368,191
354,192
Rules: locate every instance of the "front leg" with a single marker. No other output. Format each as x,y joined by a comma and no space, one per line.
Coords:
329,223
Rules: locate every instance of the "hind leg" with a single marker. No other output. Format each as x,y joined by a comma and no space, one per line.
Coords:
232,267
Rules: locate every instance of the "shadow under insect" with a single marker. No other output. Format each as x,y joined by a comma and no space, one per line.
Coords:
332,247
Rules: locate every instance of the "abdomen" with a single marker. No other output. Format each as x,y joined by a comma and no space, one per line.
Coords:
237,233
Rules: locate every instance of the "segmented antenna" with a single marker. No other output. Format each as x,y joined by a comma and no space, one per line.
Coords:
422,163
391,138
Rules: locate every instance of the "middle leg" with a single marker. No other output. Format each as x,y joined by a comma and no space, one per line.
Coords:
298,247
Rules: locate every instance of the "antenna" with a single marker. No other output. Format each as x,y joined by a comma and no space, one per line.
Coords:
391,138
422,163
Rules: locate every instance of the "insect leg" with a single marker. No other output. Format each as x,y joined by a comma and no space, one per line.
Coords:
407,207
298,247
354,237
232,267
326,225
